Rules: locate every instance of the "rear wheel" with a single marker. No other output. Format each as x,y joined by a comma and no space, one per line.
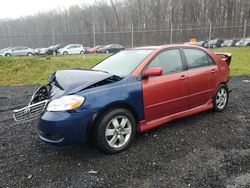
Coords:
29,54
220,98
7,55
82,52
115,131
65,53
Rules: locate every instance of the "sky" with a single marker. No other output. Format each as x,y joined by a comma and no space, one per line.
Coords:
19,8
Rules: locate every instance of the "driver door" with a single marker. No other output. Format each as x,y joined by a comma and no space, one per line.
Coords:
167,94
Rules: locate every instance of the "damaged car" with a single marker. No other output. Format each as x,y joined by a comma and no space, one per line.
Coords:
132,91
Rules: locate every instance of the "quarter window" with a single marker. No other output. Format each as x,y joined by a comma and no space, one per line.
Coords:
197,58
170,61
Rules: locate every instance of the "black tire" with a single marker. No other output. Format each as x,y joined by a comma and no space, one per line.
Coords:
65,53
81,52
100,138
29,54
8,55
220,106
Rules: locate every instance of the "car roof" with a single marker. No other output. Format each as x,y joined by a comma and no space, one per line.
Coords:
165,46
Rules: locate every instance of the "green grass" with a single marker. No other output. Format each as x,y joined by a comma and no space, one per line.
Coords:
35,70
240,64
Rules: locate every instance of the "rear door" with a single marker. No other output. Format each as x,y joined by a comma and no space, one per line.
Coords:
167,94
201,76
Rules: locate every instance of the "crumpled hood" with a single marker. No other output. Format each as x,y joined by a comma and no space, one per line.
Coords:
73,81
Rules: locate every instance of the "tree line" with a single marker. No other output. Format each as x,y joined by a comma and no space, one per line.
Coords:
112,20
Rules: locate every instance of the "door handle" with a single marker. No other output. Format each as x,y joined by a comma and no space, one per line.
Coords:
213,70
183,77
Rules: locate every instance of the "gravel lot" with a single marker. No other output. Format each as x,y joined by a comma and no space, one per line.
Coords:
204,150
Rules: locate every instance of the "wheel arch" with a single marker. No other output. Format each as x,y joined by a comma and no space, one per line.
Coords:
95,118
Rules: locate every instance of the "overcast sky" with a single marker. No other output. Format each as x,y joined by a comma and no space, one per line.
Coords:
18,8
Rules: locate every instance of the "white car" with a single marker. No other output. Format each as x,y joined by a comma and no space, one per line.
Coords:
6,52
72,49
243,42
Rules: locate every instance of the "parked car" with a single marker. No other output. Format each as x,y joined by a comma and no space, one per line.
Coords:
19,51
94,49
72,49
216,43
42,51
5,52
201,43
229,43
111,48
133,90
54,49
243,42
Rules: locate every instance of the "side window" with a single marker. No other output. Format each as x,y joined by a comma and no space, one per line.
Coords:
197,58
169,60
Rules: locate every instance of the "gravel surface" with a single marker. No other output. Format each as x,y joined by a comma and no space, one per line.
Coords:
203,150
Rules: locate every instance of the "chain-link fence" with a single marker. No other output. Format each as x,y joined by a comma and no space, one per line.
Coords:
132,36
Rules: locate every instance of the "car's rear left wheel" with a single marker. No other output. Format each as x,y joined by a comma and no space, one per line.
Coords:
220,98
115,131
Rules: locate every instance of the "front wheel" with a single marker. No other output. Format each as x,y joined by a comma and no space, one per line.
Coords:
220,98
29,54
65,53
115,131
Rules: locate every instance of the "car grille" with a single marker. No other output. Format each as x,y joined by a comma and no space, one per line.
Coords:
30,112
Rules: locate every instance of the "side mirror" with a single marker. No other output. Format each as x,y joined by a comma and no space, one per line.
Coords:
155,71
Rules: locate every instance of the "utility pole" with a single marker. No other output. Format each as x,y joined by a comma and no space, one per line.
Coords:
93,35
210,29
171,32
132,35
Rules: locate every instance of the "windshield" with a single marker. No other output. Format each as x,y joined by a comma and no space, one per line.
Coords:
122,63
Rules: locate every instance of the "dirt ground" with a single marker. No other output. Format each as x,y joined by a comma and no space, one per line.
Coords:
203,150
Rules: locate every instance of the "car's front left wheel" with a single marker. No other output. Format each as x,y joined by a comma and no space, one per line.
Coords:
115,131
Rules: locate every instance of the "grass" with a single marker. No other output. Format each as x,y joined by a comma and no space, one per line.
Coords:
240,64
35,70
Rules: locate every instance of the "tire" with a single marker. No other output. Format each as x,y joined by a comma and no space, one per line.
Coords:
8,55
220,98
81,52
65,53
29,54
115,131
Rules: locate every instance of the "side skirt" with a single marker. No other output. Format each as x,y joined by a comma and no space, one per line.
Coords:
144,126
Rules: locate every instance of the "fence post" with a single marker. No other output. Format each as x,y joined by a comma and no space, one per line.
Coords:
210,29
132,35
53,41
93,35
245,28
171,32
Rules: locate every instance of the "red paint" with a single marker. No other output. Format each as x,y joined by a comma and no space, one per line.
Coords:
156,71
168,97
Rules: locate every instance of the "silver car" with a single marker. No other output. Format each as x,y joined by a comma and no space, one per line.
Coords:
5,52
19,51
